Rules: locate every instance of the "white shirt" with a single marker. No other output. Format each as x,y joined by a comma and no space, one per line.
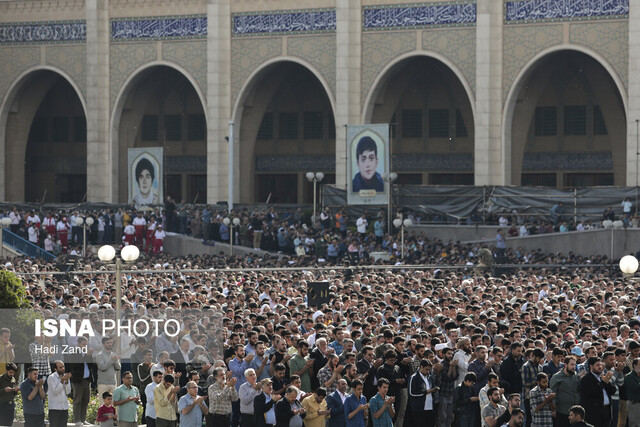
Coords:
15,218
342,396
151,408
157,367
160,235
139,221
129,229
33,235
428,401
57,392
361,224
62,226
463,364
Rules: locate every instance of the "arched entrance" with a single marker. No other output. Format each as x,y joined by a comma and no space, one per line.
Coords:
160,107
565,124
45,140
431,119
286,128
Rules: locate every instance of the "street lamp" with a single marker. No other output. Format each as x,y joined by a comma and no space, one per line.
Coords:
229,223
81,222
628,265
128,254
398,223
389,178
315,178
6,221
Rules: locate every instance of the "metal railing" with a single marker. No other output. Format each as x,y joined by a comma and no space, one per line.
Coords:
25,247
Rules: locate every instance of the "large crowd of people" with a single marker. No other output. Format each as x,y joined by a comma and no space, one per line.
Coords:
391,346
335,238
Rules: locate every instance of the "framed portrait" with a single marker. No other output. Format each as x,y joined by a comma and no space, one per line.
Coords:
367,164
145,176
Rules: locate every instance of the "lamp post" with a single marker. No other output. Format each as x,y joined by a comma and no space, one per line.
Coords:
128,254
315,178
81,222
628,266
389,178
5,222
398,223
231,223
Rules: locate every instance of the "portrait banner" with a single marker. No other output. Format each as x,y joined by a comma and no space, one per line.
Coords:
367,164
145,176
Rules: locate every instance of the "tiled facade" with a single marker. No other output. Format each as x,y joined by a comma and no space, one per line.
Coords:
220,45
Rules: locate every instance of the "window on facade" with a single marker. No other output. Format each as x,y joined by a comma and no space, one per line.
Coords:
313,125
411,123
38,132
80,129
546,121
265,132
173,127
288,125
461,129
149,128
60,129
197,127
575,120
439,123
599,126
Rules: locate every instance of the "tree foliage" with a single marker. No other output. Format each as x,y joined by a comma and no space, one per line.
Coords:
12,292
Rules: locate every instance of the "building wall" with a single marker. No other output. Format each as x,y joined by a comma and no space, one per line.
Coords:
353,48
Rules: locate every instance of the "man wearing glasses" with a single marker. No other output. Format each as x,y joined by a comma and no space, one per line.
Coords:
192,407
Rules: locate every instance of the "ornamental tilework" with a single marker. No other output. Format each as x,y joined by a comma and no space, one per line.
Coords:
43,32
247,55
295,162
609,39
378,50
567,161
461,162
15,60
449,14
320,51
564,10
458,45
521,44
281,22
159,28
125,59
72,59
185,164
192,56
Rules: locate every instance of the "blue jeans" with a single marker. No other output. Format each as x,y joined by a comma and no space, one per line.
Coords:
466,420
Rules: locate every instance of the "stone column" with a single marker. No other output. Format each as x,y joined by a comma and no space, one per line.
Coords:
101,177
489,165
218,99
348,51
633,104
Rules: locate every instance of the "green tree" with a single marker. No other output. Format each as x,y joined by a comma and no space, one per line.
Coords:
12,292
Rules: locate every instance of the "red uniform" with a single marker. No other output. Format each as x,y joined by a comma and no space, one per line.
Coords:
151,230
129,234
158,240
63,234
50,225
139,224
